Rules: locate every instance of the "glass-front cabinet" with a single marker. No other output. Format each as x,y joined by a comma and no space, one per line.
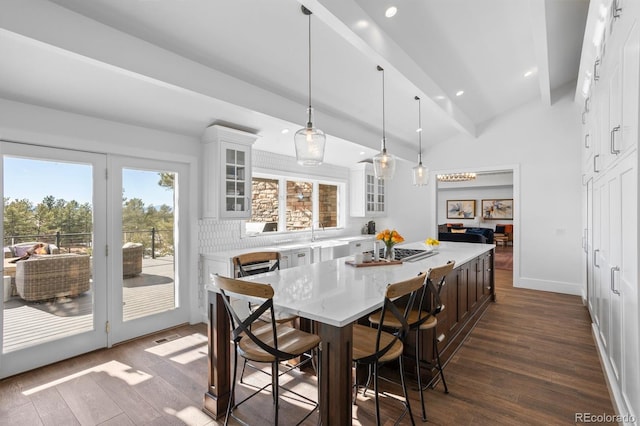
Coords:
226,173
367,192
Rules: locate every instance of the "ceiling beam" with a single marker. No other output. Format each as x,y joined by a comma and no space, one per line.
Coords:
343,16
540,42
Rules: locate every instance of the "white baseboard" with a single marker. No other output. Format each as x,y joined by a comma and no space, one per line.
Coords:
552,286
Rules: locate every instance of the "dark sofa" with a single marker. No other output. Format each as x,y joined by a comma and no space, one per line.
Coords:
470,235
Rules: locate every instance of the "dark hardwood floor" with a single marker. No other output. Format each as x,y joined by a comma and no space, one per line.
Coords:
531,360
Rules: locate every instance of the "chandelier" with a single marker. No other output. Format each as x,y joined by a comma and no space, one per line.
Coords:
456,177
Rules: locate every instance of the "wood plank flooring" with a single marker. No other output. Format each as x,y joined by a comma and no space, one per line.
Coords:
531,360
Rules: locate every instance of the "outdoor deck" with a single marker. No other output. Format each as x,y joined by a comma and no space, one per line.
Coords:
29,323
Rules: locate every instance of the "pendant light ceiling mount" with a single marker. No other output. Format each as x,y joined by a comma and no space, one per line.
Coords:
384,164
309,141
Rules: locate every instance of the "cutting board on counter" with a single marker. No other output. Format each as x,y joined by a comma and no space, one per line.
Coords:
380,262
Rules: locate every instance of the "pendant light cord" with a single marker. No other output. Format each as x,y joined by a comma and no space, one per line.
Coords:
384,138
420,132
309,124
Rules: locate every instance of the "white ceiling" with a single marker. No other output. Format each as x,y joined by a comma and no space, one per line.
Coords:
181,65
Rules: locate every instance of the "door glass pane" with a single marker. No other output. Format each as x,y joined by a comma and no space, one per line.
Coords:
148,263
47,246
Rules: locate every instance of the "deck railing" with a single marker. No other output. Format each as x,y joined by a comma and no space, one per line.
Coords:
156,242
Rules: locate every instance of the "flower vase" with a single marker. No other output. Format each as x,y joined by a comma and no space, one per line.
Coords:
389,253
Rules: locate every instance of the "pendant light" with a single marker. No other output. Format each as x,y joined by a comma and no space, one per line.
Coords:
309,141
384,164
420,172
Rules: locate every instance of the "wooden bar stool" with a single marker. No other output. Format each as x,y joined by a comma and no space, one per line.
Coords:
259,342
374,346
423,316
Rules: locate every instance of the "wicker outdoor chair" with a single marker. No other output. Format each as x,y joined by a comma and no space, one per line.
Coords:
132,259
55,275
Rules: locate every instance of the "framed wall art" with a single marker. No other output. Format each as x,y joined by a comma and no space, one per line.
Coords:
497,209
461,209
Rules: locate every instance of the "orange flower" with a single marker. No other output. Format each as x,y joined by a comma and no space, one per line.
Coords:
390,237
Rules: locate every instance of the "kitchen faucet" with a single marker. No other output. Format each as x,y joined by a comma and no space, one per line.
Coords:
313,234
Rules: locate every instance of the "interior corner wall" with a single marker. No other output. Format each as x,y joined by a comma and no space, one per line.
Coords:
544,142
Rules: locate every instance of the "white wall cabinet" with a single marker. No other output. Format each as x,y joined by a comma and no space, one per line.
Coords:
367,194
226,173
610,163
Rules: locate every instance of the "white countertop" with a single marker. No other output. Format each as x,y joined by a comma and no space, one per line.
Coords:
224,256
337,294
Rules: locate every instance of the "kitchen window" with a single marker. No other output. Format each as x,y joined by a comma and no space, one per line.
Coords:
289,204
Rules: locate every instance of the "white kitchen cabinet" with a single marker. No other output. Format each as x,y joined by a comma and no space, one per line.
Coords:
367,194
612,125
360,246
226,173
295,257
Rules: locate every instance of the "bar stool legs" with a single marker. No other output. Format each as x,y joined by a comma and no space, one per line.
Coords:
438,365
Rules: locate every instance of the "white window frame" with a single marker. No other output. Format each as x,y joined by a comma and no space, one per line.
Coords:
282,199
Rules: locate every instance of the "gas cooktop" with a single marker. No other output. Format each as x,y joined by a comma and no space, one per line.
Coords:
409,255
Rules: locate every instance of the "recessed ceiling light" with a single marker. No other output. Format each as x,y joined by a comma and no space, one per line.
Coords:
391,12
419,129
439,97
362,24
528,73
460,93
285,131
362,152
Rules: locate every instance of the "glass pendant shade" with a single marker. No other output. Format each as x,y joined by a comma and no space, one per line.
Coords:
310,143
420,175
384,165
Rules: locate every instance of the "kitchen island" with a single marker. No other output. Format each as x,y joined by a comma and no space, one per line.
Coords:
335,295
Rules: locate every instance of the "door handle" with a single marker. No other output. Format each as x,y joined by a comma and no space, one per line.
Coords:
595,257
595,167
613,140
614,269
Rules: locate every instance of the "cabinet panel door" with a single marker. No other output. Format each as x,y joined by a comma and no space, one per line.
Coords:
630,90
628,283
453,314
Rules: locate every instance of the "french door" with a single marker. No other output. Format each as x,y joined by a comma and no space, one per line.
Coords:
54,303
148,239
93,247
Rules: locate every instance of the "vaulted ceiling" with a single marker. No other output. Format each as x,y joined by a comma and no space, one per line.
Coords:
181,65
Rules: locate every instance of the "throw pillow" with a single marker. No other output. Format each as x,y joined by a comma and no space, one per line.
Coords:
500,229
19,251
458,231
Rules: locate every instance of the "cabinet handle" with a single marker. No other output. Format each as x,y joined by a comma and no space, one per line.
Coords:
586,104
613,140
595,257
358,245
302,254
595,167
596,76
584,117
613,277
586,141
616,9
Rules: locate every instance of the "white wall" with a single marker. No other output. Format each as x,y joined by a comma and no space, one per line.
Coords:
540,142
477,193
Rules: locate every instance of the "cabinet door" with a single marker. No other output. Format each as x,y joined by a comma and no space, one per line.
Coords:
627,283
236,180
630,89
